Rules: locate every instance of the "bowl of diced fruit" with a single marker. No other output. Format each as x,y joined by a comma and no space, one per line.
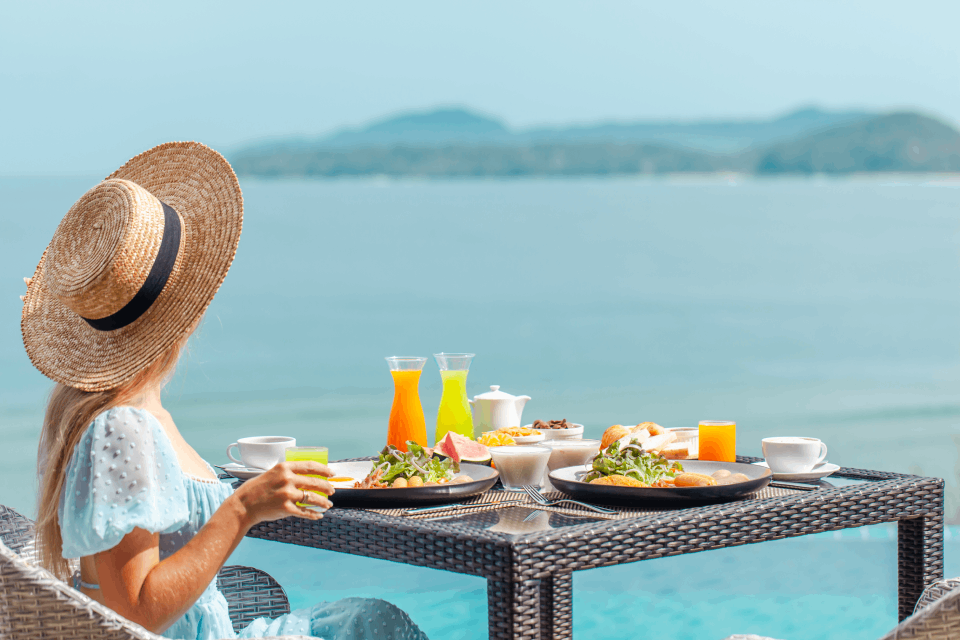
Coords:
511,435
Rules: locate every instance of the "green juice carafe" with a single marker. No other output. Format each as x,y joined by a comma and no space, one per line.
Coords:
454,411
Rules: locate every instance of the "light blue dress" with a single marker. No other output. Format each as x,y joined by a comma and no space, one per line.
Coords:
124,473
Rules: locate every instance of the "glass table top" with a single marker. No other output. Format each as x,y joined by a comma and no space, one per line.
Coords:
523,520
514,520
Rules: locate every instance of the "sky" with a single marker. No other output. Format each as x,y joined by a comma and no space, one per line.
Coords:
85,86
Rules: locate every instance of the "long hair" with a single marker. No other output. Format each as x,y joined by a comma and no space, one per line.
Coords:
69,413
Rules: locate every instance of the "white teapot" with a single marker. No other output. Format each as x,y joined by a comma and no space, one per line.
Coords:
495,409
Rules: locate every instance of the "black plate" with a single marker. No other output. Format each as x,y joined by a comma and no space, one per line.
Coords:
483,479
565,480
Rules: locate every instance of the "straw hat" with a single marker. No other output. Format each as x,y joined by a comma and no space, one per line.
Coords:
132,266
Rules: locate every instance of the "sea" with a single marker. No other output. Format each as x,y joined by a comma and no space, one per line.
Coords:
803,306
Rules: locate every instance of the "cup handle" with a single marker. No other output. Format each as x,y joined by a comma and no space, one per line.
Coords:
823,453
234,444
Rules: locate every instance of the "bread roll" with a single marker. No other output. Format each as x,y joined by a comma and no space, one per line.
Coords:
612,434
640,436
694,480
735,478
653,428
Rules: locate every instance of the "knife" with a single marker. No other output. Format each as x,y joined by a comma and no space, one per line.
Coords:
780,484
441,507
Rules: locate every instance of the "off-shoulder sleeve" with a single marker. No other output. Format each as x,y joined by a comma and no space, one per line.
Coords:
123,474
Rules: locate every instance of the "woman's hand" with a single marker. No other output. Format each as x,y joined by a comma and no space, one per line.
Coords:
274,494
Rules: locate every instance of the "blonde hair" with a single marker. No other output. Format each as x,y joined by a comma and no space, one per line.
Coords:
69,412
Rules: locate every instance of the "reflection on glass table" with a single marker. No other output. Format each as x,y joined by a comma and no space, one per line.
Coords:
516,520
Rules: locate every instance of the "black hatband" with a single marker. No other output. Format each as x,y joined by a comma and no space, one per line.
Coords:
156,279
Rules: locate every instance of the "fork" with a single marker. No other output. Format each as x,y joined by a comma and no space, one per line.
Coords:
533,515
539,498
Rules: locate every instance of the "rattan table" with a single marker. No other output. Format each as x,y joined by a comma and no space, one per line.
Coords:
529,574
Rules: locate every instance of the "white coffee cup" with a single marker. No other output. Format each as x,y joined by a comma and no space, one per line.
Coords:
793,454
261,452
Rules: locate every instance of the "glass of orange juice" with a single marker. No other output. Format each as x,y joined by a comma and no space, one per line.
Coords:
406,414
315,454
718,440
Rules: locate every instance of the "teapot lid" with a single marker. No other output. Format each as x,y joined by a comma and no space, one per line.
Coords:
494,394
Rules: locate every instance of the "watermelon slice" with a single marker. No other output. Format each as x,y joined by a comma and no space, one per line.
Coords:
462,449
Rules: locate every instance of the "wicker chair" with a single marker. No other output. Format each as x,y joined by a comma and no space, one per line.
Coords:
936,616
34,604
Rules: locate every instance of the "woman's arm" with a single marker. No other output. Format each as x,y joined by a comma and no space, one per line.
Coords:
154,594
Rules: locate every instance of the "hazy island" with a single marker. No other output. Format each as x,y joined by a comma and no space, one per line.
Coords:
459,143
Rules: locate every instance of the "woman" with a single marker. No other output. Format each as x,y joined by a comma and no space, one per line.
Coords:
130,271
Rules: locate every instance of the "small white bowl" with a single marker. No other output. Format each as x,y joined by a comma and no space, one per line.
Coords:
529,439
574,432
520,466
568,452
571,452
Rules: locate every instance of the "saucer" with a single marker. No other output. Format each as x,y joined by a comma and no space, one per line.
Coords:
821,470
239,471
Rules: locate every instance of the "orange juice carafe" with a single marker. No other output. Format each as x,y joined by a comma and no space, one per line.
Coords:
406,414
718,440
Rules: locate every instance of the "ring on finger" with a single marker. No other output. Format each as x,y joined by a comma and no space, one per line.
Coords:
304,500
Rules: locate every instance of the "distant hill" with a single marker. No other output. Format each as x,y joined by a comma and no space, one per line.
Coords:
435,128
455,142
896,142
444,127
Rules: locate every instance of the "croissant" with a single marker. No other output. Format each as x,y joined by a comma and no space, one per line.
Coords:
612,434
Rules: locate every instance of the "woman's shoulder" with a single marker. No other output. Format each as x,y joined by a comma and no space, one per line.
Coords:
123,414
127,420
123,431
123,474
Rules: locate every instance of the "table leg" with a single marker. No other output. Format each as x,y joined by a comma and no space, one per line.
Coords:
536,609
556,607
919,558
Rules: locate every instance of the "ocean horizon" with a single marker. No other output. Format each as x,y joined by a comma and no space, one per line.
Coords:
817,307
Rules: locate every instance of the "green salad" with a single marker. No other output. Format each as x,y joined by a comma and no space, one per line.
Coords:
395,463
632,460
